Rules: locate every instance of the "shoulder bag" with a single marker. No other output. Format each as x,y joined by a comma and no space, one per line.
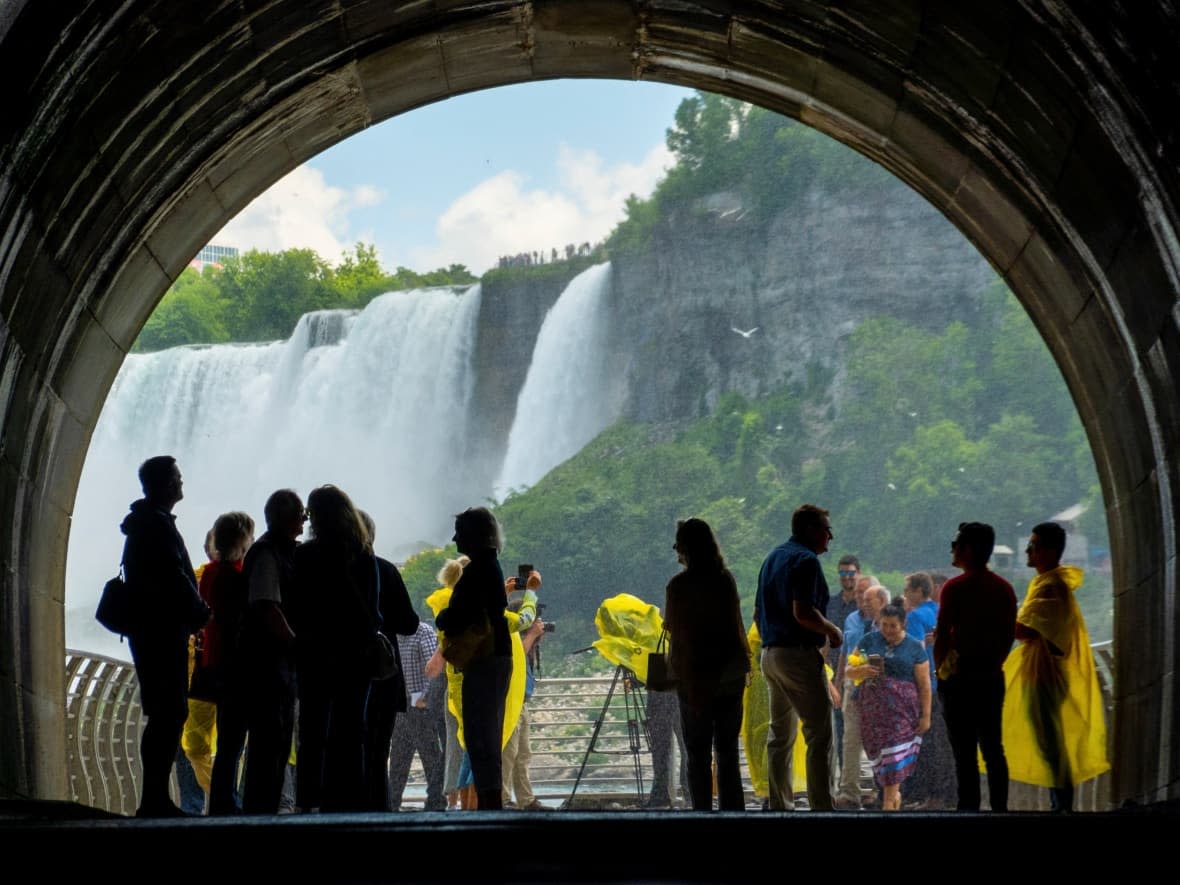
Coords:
118,606
380,655
476,641
659,668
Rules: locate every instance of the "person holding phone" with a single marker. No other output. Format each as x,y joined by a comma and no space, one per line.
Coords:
893,701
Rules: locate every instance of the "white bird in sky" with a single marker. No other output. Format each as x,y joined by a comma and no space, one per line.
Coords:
743,334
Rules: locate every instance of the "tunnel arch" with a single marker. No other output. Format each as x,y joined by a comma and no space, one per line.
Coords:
1045,134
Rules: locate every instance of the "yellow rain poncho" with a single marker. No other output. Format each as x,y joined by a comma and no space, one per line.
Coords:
629,629
756,726
1060,690
440,599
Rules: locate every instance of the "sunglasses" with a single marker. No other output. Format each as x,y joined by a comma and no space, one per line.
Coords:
844,574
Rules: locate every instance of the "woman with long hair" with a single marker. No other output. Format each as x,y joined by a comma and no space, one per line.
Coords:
334,616
710,656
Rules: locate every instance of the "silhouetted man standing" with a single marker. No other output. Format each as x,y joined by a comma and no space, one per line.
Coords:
268,653
791,602
975,630
157,566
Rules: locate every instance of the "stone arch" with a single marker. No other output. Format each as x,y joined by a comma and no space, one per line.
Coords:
1045,134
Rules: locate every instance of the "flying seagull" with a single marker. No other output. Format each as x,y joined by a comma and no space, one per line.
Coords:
744,334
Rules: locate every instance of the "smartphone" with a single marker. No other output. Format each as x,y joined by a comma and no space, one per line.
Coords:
522,575
876,661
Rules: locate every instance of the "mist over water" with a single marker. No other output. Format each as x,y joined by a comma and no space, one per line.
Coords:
376,402
572,390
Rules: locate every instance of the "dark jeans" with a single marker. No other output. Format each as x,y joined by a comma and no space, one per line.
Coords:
232,709
708,729
415,732
485,688
381,716
973,706
330,768
192,797
161,666
270,724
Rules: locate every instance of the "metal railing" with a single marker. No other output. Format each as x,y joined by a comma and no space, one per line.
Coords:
577,760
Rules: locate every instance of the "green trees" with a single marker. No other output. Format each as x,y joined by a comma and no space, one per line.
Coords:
260,296
933,428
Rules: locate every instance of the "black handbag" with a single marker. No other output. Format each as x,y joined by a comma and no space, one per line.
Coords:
659,668
380,655
118,606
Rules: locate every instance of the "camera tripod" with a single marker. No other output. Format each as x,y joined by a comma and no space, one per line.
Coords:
638,737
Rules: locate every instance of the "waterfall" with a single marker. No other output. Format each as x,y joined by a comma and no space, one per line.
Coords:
375,402
573,390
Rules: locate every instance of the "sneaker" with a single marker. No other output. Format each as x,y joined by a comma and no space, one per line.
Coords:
844,804
535,805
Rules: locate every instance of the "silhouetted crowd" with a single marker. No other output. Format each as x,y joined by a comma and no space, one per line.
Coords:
297,676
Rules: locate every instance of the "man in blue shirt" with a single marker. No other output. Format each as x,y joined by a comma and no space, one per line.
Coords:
791,602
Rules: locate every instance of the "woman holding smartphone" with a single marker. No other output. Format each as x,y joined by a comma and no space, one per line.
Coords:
894,701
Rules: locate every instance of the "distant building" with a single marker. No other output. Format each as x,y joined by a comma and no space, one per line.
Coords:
212,254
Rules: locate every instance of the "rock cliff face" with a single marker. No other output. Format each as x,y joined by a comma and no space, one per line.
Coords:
804,280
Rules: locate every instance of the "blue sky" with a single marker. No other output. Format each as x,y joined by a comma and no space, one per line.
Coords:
520,168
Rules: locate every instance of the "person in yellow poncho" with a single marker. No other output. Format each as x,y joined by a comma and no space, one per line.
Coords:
1054,727
518,622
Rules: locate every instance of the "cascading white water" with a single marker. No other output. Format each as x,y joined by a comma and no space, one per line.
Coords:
572,391
374,402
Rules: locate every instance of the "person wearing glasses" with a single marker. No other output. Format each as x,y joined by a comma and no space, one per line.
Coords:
975,630
792,600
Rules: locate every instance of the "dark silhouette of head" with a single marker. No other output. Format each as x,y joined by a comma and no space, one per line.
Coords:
979,539
283,511
476,530
231,535
1051,536
696,542
335,521
159,477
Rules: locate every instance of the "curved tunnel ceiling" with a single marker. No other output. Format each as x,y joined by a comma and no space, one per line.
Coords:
1046,134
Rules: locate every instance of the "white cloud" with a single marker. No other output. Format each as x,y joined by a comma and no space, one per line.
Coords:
500,216
300,211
